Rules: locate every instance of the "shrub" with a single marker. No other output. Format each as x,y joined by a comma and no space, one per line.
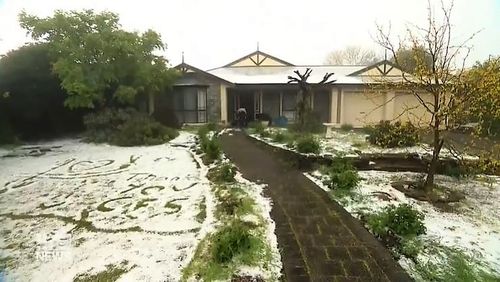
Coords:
212,148
126,127
7,135
346,127
341,175
257,126
230,241
142,130
389,135
402,221
211,126
308,144
223,173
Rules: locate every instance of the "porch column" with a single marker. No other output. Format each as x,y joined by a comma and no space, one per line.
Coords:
333,105
223,104
340,107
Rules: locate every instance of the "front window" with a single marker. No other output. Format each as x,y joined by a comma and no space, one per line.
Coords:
191,104
289,104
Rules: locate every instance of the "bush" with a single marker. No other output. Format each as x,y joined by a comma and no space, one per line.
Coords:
402,221
126,127
223,173
230,241
211,126
7,135
308,144
143,131
257,126
346,127
341,175
387,135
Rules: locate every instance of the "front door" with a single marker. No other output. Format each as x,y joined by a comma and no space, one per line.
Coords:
246,100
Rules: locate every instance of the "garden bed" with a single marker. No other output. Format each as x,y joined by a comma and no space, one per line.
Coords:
469,230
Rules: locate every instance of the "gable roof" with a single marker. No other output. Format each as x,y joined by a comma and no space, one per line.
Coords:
258,59
279,74
186,69
382,68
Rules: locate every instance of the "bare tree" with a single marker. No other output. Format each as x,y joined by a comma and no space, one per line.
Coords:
305,90
352,55
433,79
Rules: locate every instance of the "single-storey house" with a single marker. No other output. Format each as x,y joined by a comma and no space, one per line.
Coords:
258,82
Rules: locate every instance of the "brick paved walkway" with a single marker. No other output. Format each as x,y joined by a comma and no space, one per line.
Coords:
319,240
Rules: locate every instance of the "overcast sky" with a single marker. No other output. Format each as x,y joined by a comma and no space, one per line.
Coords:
213,33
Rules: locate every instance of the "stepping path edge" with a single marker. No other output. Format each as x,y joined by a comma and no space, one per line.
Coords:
318,239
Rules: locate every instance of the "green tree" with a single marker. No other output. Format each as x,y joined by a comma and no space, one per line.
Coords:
413,57
31,99
100,64
479,97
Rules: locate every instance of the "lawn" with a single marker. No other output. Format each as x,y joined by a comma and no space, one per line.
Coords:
73,211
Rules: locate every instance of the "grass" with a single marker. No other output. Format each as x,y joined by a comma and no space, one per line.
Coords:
205,266
112,273
202,207
236,243
453,265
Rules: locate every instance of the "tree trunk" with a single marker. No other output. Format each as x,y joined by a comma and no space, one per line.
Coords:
436,149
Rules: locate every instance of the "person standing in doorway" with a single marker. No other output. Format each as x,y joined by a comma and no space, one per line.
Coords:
241,114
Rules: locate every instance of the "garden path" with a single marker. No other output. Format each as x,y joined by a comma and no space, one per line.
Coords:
318,239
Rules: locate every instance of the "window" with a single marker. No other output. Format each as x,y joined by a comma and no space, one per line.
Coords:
289,104
191,104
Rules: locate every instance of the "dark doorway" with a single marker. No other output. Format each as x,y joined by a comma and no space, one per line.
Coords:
246,101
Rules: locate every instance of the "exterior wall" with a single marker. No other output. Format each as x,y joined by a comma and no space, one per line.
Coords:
214,88
408,108
360,108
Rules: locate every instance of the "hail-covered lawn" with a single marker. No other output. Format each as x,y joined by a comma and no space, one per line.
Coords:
471,225
77,211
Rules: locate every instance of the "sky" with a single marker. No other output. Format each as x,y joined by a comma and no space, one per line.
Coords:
216,32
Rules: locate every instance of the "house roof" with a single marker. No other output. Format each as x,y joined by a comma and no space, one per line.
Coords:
261,68
258,58
279,74
186,68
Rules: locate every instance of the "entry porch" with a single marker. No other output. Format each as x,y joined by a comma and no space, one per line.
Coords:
274,101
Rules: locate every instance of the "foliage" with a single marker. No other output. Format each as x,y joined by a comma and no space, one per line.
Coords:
311,123
389,135
453,265
99,63
210,146
352,55
413,58
230,241
402,221
479,97
307,144
440,60
143,130
31,99
346,127
283,137
126,127
7,135
341,175
223,173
